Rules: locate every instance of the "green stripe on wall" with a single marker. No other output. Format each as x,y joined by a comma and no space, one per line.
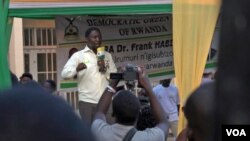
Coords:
208,65
51,12
211,65
160,74
68,85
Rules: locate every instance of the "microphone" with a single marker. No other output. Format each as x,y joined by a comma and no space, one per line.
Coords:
100,53
100,59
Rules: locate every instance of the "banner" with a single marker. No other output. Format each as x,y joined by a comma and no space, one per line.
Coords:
144,40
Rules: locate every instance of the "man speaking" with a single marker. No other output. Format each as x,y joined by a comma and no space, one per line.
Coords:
92,72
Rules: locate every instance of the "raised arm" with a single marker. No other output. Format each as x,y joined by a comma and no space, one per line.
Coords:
155,105
105,100
72,67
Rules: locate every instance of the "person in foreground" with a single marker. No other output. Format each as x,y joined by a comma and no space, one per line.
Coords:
28,113
200,113
126,108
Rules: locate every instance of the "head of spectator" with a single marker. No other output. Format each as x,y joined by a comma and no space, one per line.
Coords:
146,119
26,77
72,51
199,111
126,108
208,75
166,82
28,113
94,38
49,86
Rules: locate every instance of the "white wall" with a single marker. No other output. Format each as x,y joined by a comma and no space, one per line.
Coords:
16,57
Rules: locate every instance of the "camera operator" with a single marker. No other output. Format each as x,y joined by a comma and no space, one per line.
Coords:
126,108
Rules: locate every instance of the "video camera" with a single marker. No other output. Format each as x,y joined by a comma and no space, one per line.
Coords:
130,74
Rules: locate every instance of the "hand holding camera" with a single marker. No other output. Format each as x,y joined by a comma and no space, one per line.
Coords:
127,73
133,76
143,79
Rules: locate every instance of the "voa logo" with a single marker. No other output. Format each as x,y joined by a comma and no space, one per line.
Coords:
236,132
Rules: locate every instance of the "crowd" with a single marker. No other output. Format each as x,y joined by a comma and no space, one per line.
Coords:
31,111
48,85
147,120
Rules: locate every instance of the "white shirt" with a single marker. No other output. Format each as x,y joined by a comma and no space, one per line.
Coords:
206,80
91,83
169,99
116,132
